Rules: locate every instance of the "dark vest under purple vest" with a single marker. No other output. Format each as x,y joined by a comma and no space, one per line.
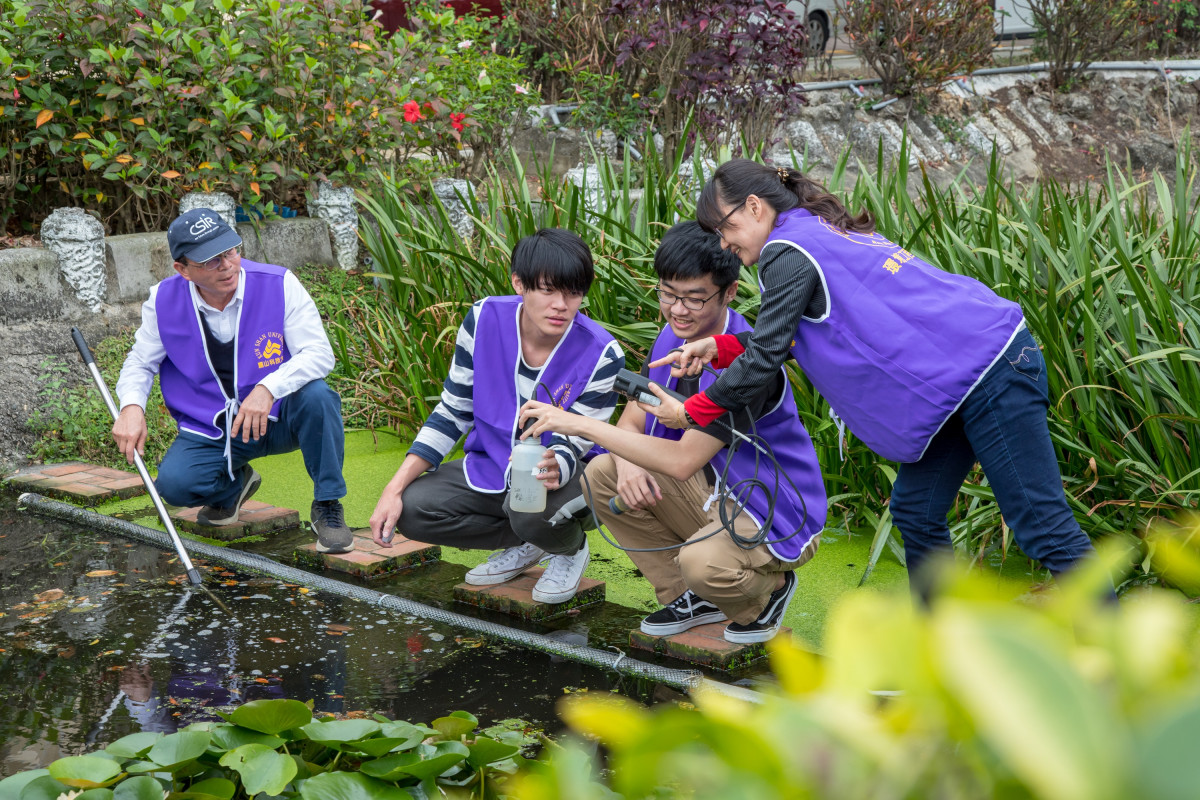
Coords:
902,343
190,387
782,430
497,359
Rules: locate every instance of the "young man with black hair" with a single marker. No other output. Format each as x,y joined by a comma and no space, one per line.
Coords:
668,481
510,350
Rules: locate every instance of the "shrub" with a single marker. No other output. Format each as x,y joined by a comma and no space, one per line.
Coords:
123,105
735,63
916,45
981,697
1073,33
480,95
1167,28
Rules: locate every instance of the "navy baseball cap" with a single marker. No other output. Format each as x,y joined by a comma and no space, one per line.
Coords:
200,234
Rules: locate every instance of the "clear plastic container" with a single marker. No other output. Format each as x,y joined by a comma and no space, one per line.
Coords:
526,493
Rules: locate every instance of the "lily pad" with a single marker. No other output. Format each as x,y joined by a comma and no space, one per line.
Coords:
142,787
486,751
177,749
135,745
10,787
382,746
43,787
457,725
271,716
440,758
262,768
341,730
84,772
234,736
350,786
211,789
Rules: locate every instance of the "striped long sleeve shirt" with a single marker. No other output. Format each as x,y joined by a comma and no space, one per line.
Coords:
454,415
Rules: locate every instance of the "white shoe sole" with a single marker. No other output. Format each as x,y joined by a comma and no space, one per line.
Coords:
752,637
491,579
553,598
669,628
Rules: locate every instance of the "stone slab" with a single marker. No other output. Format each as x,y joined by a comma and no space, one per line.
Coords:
369,560
704,645
255,519
516,597
77,482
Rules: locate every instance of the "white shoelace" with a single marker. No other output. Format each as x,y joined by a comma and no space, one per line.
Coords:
558,570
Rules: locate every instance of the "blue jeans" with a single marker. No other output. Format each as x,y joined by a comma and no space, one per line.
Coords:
193,472
1002,425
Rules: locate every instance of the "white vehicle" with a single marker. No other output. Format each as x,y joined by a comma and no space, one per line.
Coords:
822,17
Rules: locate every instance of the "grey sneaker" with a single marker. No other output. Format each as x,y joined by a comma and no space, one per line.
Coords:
560,581
505,565
214,517
328,520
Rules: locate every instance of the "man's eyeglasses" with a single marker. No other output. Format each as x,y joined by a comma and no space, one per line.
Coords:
724,219
693,303
216,260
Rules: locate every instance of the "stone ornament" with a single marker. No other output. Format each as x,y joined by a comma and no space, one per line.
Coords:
338,207
77,239
223,204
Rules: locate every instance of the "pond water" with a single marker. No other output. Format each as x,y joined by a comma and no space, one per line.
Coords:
101,637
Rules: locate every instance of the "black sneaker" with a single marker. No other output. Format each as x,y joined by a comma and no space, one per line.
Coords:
214,517
329,522
767,625
686,611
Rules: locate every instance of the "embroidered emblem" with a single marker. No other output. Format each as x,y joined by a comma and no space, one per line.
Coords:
268,349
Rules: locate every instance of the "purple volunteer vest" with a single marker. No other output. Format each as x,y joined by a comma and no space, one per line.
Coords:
497,359
793,449
190,387
902,343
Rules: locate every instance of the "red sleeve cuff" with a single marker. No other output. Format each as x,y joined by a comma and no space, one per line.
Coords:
701,409
728,348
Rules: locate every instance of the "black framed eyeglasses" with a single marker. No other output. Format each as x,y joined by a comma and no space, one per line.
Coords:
216,260
724,219
692,303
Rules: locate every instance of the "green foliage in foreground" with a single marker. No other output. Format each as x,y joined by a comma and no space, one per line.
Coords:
276,748
1056,698
1105,274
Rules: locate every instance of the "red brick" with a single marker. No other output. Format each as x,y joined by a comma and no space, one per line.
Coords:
704,645
83,489
516,597
63,469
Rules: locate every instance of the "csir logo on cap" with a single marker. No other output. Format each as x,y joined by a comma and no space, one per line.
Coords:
203,226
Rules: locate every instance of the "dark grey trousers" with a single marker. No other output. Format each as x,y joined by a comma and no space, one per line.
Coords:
440,507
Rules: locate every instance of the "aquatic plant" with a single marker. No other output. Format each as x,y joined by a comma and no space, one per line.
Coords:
1105,275
1064,697
277,748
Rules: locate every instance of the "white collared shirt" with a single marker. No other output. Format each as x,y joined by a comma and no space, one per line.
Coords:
311,355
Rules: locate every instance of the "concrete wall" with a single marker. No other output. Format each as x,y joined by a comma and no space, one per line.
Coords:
32,287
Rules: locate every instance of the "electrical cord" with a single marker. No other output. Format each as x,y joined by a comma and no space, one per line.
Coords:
739,492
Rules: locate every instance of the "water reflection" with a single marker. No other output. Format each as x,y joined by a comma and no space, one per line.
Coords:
100,638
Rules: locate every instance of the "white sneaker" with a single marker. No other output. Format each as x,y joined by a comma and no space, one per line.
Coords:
560,581
505,565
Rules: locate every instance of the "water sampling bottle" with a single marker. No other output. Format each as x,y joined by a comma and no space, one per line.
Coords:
526,493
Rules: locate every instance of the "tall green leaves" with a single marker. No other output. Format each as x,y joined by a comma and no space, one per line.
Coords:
1105,274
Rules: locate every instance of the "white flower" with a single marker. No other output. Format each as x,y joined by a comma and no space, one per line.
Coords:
464,44
70,795
519,89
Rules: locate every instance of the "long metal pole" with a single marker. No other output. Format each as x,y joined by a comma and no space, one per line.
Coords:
86,353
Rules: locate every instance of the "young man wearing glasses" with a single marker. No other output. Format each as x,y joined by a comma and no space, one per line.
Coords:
241,357
657,488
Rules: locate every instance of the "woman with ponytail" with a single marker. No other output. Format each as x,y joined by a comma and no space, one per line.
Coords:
928,368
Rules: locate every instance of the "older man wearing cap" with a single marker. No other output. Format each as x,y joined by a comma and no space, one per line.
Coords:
241,357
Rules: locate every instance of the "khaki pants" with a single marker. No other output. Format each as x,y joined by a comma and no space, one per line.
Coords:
737,581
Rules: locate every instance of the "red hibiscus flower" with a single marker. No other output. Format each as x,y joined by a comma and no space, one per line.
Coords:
456,121
412,111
